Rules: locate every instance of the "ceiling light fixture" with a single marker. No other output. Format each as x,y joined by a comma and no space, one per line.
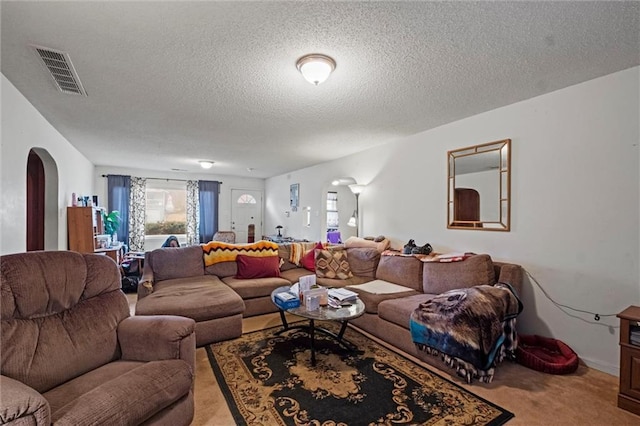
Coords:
206,164
316,68
343,181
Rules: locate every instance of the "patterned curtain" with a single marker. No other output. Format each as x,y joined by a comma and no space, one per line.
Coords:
137,208
193,212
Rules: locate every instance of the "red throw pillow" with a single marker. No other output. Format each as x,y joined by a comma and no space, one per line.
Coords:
308,261
257,267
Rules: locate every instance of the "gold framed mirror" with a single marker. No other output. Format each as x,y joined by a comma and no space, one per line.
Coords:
479,187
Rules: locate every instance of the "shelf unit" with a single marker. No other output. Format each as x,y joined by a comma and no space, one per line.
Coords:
629,394
84,224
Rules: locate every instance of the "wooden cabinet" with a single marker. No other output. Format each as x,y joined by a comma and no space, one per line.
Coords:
84,224
629,395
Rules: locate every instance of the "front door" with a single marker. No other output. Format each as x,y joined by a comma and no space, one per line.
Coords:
246,209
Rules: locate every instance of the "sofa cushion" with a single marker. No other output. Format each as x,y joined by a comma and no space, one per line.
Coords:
441,277
176,262
354,280
257,267
293,275
374,292
222,269
199,298
402,270
256,287
120,392
398,311
363,261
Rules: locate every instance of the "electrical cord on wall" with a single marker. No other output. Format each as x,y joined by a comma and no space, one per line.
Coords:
596,316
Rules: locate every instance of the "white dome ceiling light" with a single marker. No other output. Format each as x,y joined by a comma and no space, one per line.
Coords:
206,164
343,181
316,68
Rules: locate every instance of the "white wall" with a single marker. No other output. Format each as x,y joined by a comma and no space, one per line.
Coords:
228,183
575,203
23,128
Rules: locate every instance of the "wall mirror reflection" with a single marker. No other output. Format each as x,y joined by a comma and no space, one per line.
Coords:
478,187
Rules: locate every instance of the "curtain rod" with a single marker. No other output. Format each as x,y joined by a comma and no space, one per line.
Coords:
177,180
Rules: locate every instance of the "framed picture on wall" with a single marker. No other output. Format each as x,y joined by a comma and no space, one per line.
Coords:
294,196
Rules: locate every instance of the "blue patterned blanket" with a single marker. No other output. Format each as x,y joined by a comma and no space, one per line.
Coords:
466,323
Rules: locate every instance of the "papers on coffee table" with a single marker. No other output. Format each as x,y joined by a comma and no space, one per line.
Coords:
342,294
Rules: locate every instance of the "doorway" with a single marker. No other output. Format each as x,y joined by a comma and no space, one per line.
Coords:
246,210
35,202
41,201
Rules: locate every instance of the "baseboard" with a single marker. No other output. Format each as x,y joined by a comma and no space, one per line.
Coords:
612,369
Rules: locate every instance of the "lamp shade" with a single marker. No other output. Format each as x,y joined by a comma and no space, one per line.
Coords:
356,188
353,220
315,68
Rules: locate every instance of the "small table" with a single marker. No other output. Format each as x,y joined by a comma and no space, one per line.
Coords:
324,313
114,253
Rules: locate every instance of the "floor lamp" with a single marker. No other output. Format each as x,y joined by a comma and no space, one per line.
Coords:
354,220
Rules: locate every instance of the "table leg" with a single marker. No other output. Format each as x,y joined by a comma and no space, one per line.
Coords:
311,330
342,329
284,320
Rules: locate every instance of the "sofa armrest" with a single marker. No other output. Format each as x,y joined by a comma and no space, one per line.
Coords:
21,404
511,274
145,285
158,337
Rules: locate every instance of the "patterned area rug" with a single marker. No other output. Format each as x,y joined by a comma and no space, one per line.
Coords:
268,380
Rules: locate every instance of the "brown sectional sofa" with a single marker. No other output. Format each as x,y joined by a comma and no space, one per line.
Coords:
387,317
176,280
217,300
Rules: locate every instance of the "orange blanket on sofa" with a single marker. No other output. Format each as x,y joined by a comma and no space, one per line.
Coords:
217,251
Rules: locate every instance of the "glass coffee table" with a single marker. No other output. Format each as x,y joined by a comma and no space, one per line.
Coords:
324,313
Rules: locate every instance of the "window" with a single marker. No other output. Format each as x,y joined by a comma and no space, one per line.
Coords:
332,210
166,212
246,199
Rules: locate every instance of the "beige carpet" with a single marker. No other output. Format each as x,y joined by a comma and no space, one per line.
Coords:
586,397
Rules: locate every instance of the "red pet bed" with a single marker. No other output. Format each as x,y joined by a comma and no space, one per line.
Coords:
545,354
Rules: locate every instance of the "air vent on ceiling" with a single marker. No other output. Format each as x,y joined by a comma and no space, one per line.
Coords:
62,71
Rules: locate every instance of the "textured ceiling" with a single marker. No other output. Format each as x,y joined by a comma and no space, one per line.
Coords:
170,83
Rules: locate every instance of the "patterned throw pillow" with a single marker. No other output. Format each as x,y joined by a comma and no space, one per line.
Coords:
332,264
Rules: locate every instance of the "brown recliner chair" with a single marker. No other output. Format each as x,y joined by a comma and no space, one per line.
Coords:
73,355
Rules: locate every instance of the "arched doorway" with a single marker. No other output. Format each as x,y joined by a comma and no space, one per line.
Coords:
42,201
35,202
